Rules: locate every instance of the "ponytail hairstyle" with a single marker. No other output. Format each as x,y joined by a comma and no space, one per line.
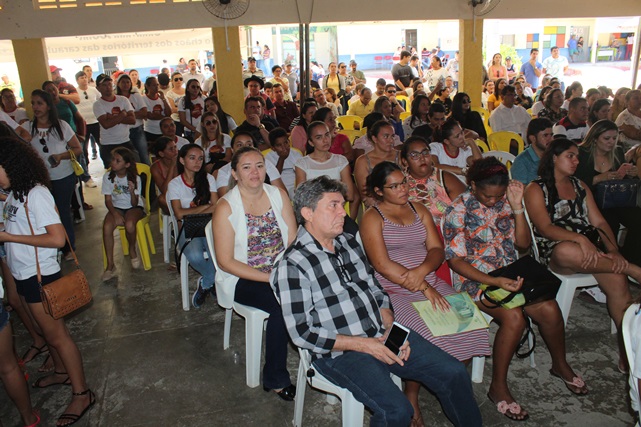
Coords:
201,184
129,157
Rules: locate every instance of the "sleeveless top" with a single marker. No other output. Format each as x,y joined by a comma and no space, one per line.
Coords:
264,241
431,192
569,214
369,163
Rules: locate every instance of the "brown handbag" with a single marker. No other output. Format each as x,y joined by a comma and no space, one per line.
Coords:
67,294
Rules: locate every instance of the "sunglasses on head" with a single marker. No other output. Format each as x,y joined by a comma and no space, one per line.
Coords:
45,149
178,79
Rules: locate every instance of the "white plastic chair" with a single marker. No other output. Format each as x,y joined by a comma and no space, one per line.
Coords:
626,330
81,209
353,410
504,157
254,319
569,283
184,262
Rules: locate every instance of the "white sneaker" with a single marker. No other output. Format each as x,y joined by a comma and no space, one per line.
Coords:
597,294
91,183
136,263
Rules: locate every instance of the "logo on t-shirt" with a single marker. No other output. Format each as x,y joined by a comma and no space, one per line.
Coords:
120,189
115,110
157,108
197,111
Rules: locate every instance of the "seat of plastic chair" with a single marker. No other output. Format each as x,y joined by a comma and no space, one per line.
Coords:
347,122
404,115
501,140
184,262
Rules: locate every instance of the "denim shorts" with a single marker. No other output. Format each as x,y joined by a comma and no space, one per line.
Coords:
3,252
30,289
4,316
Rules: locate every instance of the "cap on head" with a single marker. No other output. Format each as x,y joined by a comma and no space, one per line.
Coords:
251,59
102,78
53,69
352,62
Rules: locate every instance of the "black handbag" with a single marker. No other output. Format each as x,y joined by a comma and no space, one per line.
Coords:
617,193
594,236
539,283
193,226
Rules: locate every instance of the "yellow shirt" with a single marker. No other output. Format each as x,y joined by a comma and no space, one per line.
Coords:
358,109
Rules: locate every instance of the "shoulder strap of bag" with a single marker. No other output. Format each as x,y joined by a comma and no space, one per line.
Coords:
73,253
524,339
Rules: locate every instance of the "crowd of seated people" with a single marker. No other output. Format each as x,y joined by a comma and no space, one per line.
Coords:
410,175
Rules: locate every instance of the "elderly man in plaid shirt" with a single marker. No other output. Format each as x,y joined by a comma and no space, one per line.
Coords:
334,307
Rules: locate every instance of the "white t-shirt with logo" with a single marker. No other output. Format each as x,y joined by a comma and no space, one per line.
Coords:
193,116
117,134
138,102
289,165
49,138
119,191
153,106
87,98
42,212
178,190
4,117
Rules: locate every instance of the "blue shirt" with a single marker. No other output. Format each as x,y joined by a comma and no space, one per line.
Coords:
525,167
530,75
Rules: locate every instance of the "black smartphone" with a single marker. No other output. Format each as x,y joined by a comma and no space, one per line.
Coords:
396,338
52,161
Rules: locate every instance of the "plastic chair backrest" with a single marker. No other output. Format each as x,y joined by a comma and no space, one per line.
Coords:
224,293
482,145
144,170
351,134
626,331
485,114
501,140
347,122
404,115
506,158
174,221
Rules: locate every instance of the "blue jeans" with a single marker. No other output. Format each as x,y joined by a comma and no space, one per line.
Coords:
139,140
369,381
62,189
194,252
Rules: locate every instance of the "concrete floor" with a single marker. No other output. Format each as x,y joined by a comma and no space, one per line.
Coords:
152,364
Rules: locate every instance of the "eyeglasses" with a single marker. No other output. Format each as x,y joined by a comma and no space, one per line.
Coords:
210,122
415,155
343,271
178,79
467,101
45,149
86,96
397,186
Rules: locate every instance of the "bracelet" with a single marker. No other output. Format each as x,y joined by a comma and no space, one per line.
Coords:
518,211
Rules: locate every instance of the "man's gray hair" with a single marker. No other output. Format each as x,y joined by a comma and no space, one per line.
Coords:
310,192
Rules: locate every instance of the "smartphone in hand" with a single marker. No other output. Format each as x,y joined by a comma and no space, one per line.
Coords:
52,161
396,338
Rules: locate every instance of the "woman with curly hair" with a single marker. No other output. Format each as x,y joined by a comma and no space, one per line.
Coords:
191,108
33,234
53,140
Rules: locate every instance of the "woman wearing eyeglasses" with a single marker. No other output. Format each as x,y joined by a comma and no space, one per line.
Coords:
217,145
404,247
52,139
174,94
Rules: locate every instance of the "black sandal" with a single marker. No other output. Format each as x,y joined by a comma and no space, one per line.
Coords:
66,381
74,418
39,351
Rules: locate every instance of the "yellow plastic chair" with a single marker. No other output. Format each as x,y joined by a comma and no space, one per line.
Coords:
351,134
529,111
500,141
404,115
143,230
403,99
485,114
347,122
482,145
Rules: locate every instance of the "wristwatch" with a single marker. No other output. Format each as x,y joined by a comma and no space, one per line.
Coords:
262,126
464,170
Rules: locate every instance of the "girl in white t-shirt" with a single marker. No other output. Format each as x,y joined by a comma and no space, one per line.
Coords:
193,191
191,108
217,145
33,235
122,190
136,132
321,161
455,153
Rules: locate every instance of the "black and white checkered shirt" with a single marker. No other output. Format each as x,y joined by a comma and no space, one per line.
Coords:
324,294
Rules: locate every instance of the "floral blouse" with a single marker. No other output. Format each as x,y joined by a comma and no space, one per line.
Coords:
483,236
554,117
264,241
431,193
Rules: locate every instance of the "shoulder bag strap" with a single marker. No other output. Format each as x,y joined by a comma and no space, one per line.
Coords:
73,253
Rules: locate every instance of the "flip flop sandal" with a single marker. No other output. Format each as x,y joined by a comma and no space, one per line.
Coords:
74,418
510,410
38,383
577,382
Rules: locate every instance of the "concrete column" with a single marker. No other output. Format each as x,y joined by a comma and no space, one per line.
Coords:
471,53
229,72
33,66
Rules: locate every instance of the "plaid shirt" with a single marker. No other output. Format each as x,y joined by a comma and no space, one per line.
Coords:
323,294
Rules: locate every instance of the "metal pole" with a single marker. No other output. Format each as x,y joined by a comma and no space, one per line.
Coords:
301,62
636,51
307,57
